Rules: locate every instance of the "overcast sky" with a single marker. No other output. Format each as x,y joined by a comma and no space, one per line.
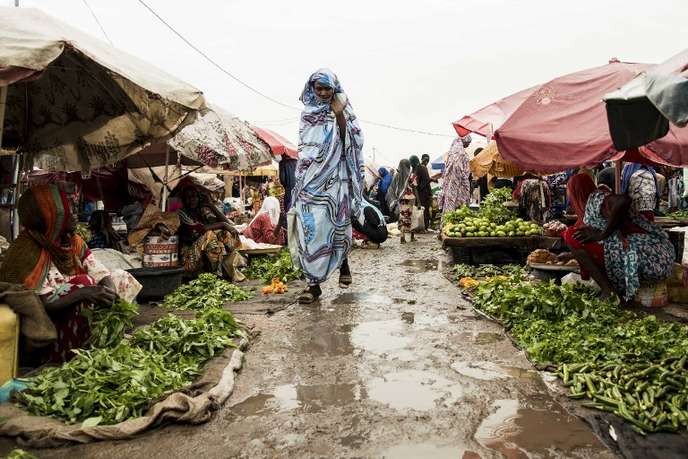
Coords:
416,64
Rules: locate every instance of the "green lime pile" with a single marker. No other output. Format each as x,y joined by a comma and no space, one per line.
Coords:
483,227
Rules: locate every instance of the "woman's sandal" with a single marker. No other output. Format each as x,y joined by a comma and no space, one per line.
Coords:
310,295
345,280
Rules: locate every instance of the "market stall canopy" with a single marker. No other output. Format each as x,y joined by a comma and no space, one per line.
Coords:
77,103
489,161
641,110
268,170
488,119
278,144
563,123
218,139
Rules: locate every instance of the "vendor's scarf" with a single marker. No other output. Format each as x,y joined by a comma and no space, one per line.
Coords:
271,206
579,189
329,181
385,180
415,162
456,185
398,186
45,213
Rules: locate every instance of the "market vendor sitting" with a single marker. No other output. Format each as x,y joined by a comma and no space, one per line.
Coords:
103,235
268,226
207,239
48,258
618,247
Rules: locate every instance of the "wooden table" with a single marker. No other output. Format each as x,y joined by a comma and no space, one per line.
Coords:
471,250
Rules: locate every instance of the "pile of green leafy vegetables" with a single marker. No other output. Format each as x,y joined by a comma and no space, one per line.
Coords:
630,365
268,267
206,292
108,324
110,385
486,271
491,208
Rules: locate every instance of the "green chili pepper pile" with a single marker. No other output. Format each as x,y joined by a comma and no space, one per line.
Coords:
108,324
268,267
206,292
632,366
109,385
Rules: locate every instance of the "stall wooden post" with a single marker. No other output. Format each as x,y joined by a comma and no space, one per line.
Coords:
163,203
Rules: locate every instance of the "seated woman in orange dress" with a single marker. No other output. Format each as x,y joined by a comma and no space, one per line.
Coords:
267,226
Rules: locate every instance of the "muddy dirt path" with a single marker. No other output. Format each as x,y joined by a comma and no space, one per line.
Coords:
396,366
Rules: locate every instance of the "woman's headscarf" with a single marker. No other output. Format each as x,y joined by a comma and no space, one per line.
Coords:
271,206
385,180
45,213
398,185
578,190
632,168
415,162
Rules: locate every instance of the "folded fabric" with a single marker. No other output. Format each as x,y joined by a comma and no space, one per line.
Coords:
151,218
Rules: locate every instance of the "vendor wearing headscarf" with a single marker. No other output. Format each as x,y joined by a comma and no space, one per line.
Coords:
639,182
207,239
456,183
424,190
617,247
266,227
329,182
51,260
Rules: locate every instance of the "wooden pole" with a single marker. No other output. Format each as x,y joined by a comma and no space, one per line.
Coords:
617,176
163,204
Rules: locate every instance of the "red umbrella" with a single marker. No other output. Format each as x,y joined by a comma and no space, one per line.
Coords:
486,120
563,124
278,144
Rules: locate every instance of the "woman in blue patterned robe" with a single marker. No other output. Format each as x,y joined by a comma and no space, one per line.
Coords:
329,179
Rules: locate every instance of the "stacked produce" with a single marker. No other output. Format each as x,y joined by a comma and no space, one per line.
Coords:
276,287
469,277
493,220
110,385
629,365
267,268
678,215
483,227
554,228
206,292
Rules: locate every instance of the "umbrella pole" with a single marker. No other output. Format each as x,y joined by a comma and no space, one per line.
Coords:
617,176
14,218
163,204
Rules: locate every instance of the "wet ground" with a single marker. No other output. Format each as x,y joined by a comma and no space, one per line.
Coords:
396,366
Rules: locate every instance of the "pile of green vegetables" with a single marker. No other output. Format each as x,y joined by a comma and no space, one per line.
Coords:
492,212
678,215
110,385
267,268
629,365
486,271
108,324
206,292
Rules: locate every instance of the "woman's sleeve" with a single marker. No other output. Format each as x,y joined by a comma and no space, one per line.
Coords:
95,269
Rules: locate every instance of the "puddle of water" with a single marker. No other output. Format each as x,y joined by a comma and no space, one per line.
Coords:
490,371
485,371
417,450
413,389
322,339
523,432
487,338
252,406
361,297
313,398
381,337
419,266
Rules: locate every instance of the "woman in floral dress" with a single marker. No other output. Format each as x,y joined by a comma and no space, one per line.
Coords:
619,248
